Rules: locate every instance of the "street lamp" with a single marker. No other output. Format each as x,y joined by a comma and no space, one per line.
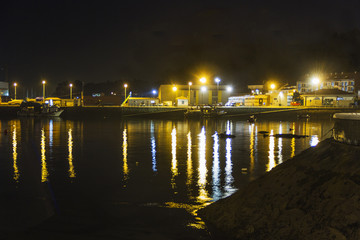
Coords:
217,80
190,83
315,81
174,90
15,84
229,89
43,83
125,86
203,90
203,80
272,86
70,90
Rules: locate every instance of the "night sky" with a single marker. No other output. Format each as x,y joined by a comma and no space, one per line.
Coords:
148,43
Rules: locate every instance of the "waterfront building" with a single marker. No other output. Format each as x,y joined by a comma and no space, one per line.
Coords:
249,100
142,101
328,98
197,94
4,89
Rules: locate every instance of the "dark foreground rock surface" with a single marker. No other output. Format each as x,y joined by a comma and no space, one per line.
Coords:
315,195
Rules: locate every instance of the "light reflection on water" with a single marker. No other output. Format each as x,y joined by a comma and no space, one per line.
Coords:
44,171
14,144
184,162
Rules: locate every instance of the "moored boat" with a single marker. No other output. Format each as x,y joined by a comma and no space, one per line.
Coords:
33,109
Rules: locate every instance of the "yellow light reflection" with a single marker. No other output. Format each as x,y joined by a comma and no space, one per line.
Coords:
174,169
229,179
125,146
14,143
44,171
271,163
280,157
202,170
216,169
189,160
252,144
70,158
292,144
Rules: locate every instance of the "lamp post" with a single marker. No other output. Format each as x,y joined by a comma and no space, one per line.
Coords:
315,81
125,86
70,90
174,90
203,90
190,83
15,84
43,83
217,80
203,80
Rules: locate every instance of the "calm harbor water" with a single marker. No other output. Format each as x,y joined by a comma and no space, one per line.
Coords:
57,166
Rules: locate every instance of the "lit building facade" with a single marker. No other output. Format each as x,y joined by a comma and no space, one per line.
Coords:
197,94
347,82
4,89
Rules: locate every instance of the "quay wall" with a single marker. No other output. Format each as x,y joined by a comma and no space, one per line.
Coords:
177,112
347,128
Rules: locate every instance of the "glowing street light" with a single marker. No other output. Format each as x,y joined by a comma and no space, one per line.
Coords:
272,86
71,85
154,92
43,83
203,80
190,83
15,84
203,90
217,80
229,89
315,80
174,90
125,86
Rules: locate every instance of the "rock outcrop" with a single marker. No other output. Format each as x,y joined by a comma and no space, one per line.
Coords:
315,195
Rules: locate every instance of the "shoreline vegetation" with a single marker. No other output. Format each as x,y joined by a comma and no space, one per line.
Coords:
314,195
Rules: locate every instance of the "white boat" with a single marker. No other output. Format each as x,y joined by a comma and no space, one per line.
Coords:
31,109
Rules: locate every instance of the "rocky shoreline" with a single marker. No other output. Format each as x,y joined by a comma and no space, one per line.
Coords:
315,195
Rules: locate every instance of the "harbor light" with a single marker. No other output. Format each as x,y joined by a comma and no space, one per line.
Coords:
315,80
43,83
125,86
15,84
71,85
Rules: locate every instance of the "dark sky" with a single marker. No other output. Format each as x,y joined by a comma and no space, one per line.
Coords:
152,42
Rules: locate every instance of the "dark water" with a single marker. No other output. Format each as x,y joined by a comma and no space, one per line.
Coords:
52,167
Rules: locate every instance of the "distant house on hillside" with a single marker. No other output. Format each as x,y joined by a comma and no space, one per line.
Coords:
347,82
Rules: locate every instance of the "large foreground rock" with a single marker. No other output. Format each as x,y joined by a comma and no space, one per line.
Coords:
315,195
